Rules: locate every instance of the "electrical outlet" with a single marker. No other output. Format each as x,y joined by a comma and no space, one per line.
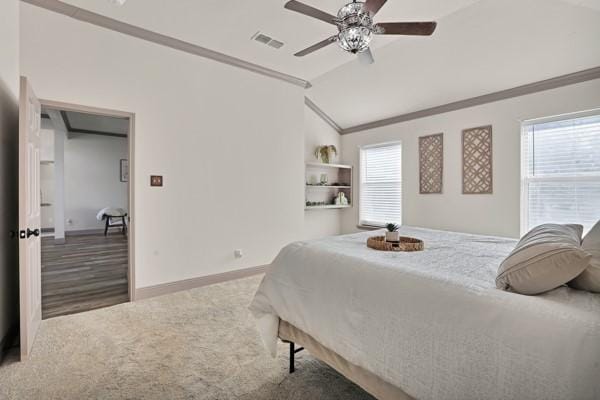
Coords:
238,253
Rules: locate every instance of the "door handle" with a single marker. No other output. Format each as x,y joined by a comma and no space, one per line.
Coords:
35,232
28,233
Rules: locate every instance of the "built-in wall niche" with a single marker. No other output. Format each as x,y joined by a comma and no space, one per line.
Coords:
324,183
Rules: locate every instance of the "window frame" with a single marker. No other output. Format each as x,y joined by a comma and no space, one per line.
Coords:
526,179
361,222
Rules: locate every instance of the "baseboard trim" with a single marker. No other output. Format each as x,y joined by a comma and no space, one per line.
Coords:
8,340
84,232
186,284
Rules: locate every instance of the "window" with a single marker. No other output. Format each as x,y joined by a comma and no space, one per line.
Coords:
561,171
380,184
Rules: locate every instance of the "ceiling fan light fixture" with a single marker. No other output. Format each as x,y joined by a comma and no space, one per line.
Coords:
355,39
351,9
355,27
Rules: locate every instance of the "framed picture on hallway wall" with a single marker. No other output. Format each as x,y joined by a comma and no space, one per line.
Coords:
124,170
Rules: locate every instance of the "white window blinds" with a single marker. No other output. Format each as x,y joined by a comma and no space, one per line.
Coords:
561,172
381,184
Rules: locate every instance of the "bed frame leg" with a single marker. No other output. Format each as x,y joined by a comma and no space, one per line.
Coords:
292,356
293,351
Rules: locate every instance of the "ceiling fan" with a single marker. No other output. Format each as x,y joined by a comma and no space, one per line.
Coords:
356,27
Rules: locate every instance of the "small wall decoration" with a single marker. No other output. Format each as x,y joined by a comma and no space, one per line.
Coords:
124,175
431,163
477,160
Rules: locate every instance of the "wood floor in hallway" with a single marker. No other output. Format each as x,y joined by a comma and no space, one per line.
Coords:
85,273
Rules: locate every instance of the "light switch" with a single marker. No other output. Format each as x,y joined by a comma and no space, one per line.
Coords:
156,180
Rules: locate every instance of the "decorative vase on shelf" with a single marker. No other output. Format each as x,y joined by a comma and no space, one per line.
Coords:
326,153
341,199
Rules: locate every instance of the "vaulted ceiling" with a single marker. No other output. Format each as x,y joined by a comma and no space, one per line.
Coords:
480,46
489,46
228,25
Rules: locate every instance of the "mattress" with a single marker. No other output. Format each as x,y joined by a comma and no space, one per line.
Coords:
432,323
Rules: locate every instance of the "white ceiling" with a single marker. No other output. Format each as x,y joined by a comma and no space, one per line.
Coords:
480,46
92,123
98,123
227,26
490,46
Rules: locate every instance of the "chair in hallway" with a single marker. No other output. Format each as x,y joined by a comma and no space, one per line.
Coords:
114,218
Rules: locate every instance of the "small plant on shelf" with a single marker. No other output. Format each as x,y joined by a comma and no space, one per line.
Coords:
392,234
325,153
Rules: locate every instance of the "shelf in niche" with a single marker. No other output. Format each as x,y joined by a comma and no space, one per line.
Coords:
324,194
328,186
323,165
325,207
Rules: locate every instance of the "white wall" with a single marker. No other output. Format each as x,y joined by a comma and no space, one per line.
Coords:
92,164
228,142
496,214
91,179
9,114
319,223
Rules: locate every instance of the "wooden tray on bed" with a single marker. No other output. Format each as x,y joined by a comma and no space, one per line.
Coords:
405,244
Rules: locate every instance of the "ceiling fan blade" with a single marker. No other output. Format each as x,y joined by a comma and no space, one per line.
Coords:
366,57
316,46
372,6
310,11
405,28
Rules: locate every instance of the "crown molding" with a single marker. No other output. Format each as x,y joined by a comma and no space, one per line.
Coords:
160,39
540,86
309,103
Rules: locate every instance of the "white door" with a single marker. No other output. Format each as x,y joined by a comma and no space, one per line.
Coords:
30,271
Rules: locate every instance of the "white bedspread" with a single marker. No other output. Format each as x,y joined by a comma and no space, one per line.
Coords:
432,322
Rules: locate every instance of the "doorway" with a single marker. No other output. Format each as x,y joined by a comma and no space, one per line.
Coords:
84,203
30,205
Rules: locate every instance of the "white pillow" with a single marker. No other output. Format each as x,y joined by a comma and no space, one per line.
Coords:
589,279
547,257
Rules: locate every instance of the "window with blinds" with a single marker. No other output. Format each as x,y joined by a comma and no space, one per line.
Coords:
561,172
380,184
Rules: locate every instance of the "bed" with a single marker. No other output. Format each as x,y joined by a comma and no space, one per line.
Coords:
430,324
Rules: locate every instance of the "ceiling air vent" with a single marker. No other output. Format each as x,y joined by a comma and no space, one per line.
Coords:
269,41
275,43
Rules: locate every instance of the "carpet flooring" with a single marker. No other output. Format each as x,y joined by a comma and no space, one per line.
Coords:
197,344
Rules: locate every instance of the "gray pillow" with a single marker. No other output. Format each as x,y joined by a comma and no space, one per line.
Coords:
589,279
547,257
